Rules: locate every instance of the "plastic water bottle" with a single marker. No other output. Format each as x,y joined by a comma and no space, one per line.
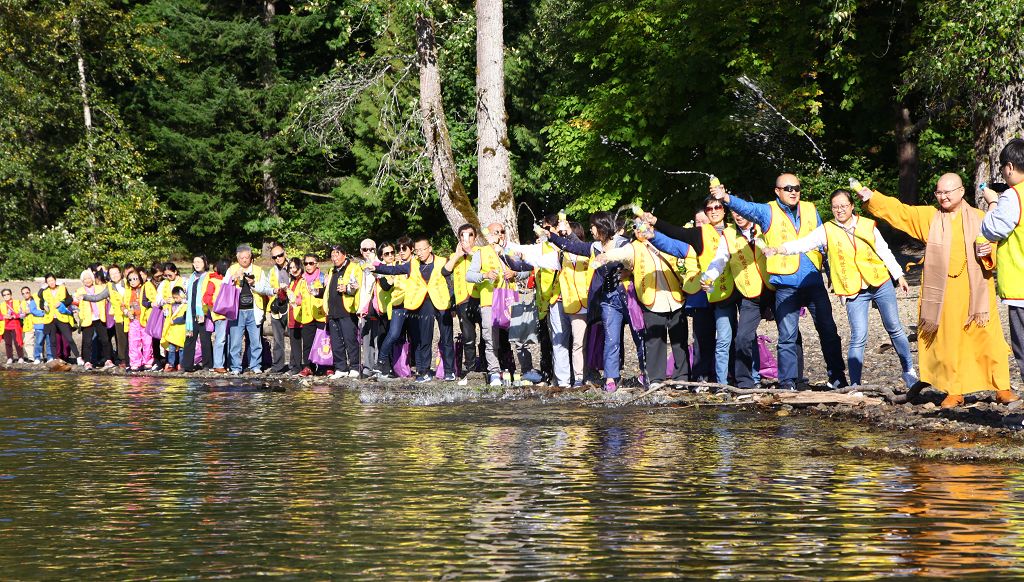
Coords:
714,182
562,216
855,185
637,211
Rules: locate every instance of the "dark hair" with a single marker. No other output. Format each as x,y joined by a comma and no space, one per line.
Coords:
169,266
466,227
577,229
1013,153
100,277
311,256
841,192
404,242
128,267
178,290
296,262
340,249
50,276
380,249
156,266
604,221
222,267
551,219
421,238
206,262
113,266
26,289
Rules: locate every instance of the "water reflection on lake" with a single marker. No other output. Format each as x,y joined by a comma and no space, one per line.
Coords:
114,478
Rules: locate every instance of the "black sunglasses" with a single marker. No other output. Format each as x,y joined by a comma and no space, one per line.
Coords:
278,256
365,250
789,188
716,207
386,253
309,263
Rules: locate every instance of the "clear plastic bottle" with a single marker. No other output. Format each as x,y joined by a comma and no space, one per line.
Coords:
855,185
714,181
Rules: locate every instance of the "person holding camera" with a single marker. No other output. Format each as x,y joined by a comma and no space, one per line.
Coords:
252,281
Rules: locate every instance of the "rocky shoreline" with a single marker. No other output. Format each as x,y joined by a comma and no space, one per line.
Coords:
981,431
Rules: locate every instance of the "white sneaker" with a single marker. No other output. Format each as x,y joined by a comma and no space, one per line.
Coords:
353,373
338,375
910,378
235,372
9,361
108,365
81,362
496,380
37,361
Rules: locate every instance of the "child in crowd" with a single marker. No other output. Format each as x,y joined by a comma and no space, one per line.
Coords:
34,330
174,329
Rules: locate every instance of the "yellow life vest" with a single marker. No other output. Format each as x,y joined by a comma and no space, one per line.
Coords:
14,311
723,286
462,288
1010,257
353,273
694,265
85,308
126,305
746,263
416,289
782,230
310,308
489,261
852,263
116,304
547,283
645,273
52,297
574,283
174,333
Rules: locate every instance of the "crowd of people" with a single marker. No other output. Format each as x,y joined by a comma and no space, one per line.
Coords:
385,309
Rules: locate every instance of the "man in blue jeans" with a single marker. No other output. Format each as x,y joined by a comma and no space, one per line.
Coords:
254,287
796,278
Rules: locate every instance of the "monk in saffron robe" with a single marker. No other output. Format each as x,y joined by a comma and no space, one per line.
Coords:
961,346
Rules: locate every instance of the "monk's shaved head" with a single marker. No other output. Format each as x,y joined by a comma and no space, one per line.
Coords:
949,191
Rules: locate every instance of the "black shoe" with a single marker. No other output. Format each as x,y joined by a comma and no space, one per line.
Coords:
788,385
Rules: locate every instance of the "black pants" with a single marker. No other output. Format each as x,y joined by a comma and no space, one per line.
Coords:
1016,321
744,341
205,339
296,356
703,366
544,337
423,331
11,344
469,320
662,330
344,346
64,330
307,333
100,329
121,341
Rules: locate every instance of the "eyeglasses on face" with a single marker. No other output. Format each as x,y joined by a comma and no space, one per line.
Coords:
947,192
277,256
713,208
421,250
842,207
789,188
387,253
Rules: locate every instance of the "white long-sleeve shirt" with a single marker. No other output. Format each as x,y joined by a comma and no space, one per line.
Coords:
818,239
663,300
999,223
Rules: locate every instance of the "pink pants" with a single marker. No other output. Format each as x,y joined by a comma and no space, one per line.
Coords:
140,346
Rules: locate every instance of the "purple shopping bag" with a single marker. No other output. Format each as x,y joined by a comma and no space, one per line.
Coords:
400,357
636,315
320,353
208,324
501,308
197,360
458,361
155,325
769,367
227,301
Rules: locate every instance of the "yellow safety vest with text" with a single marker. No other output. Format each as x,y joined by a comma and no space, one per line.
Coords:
782,230
645,273
854,262
746,263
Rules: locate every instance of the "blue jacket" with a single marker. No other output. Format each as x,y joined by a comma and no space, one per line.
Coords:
196,302
761,214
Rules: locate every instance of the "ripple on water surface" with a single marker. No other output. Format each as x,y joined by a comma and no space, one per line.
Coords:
142,477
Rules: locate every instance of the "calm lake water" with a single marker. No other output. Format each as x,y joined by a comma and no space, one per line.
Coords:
147,478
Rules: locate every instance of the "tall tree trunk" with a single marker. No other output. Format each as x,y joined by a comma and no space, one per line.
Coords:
454,201
494,181
268,67
83,87
1005,121
906,155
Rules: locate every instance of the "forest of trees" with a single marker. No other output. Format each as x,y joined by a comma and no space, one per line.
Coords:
132,130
